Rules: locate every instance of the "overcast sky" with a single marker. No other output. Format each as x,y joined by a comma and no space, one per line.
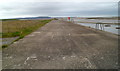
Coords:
79,8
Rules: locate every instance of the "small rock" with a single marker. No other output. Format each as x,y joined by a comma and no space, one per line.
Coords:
73,56
94,54
19,65
63,58
25,62
48,56
33,56
15,42
53,59
28,64
7,54
6,65
101,57
10,57
67,40
35,59
69,34
28,58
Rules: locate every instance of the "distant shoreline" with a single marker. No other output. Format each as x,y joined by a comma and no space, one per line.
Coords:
101,23
108,18
88,20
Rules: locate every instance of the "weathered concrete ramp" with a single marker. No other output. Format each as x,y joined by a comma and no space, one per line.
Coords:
63,45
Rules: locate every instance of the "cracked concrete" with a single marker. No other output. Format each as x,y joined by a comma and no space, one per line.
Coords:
63,45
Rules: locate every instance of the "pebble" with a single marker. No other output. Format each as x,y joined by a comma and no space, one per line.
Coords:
69,34
28,64
73,56
25,62
35,59
48,56
28,58
53,59
33,56
15,42
101,57
19,65
67,40
10,57
6,65
63,58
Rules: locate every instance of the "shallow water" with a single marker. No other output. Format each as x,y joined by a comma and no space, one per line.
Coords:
97,20
6,41
111,29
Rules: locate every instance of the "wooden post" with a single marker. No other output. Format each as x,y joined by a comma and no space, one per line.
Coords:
99,25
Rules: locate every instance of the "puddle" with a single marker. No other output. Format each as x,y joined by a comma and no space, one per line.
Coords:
6,41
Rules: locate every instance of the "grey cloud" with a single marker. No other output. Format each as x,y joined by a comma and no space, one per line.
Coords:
60,9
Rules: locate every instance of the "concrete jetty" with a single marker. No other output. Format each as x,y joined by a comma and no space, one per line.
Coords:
63,45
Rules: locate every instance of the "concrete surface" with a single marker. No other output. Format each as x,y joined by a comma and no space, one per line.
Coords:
63,45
